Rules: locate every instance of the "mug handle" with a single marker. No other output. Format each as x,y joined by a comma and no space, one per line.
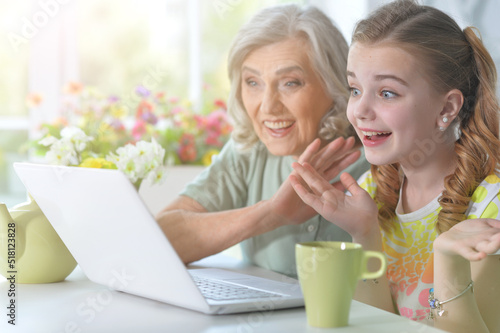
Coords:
365,274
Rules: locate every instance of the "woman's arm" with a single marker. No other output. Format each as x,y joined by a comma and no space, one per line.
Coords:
196,233
460,256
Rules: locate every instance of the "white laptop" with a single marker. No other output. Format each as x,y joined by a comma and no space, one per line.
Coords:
116,241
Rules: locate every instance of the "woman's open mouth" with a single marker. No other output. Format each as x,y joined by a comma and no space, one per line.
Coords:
279,128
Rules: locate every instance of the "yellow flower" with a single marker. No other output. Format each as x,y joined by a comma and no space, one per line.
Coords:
98,163
206,160
117,111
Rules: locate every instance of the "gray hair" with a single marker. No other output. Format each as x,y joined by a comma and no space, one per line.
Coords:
327,53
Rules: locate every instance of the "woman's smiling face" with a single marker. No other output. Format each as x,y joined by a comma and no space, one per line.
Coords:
392,106
283,96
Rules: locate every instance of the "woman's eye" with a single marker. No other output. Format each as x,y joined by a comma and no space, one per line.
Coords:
292,83
354,92
388,94
251,83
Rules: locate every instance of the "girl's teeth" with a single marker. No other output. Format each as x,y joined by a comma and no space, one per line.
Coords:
278,124
374,133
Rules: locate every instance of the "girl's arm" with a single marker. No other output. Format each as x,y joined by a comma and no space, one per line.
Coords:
460,256
355,213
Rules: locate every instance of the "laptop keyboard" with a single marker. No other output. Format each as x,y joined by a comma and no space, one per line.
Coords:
219,290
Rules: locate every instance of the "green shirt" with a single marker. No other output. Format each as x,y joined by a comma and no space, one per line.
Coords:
236,180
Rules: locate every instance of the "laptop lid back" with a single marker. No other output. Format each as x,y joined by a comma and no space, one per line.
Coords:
110,232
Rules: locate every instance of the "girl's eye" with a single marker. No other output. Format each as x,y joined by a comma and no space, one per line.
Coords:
388,94
354,92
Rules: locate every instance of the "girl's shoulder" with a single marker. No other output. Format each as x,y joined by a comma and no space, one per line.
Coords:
485,201
367,183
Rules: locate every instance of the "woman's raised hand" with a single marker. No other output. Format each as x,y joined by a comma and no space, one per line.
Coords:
472,239
286,205
355,213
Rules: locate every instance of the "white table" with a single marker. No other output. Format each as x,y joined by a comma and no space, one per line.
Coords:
79,305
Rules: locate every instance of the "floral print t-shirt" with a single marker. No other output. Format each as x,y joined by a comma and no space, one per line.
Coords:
408,247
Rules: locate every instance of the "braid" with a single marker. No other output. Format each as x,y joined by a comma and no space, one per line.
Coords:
388,180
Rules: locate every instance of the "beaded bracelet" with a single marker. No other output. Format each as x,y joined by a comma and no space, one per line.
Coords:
436,304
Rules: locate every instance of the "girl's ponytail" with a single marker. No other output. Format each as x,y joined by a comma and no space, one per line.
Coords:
478,147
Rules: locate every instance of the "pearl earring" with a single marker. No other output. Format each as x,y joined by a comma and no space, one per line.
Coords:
442,128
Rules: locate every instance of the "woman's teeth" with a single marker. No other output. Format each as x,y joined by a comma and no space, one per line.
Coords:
278,124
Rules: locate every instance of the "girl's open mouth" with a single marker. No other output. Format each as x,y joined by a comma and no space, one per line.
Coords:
374,139
376,136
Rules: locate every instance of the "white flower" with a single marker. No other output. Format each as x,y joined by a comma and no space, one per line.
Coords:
61,153
48,140
76,136
158,175
144,160
67,149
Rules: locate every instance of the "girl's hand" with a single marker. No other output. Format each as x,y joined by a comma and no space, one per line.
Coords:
355,213
472,239
330,161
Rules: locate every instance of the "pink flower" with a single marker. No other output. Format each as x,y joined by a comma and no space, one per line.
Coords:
220,103
139,129
212,139
117,124
187,148
173,100
145,112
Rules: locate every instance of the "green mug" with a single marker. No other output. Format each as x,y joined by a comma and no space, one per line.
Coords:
328,273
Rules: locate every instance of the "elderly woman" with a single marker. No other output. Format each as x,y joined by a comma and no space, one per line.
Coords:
288,98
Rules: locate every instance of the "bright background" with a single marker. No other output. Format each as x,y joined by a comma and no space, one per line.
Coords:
177,46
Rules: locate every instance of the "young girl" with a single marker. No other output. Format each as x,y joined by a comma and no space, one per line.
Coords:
423,103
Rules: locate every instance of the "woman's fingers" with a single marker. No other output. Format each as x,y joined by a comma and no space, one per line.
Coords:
332,153
328,153
311,149
316,182
335,169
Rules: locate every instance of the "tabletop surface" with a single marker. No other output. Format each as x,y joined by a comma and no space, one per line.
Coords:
79,305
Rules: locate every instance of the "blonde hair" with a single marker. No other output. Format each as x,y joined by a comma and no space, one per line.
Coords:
327,53
453,59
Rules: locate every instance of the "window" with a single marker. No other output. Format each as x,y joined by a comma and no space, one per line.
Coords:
176,46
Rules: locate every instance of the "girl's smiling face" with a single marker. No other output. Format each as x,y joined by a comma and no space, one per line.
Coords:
393,107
